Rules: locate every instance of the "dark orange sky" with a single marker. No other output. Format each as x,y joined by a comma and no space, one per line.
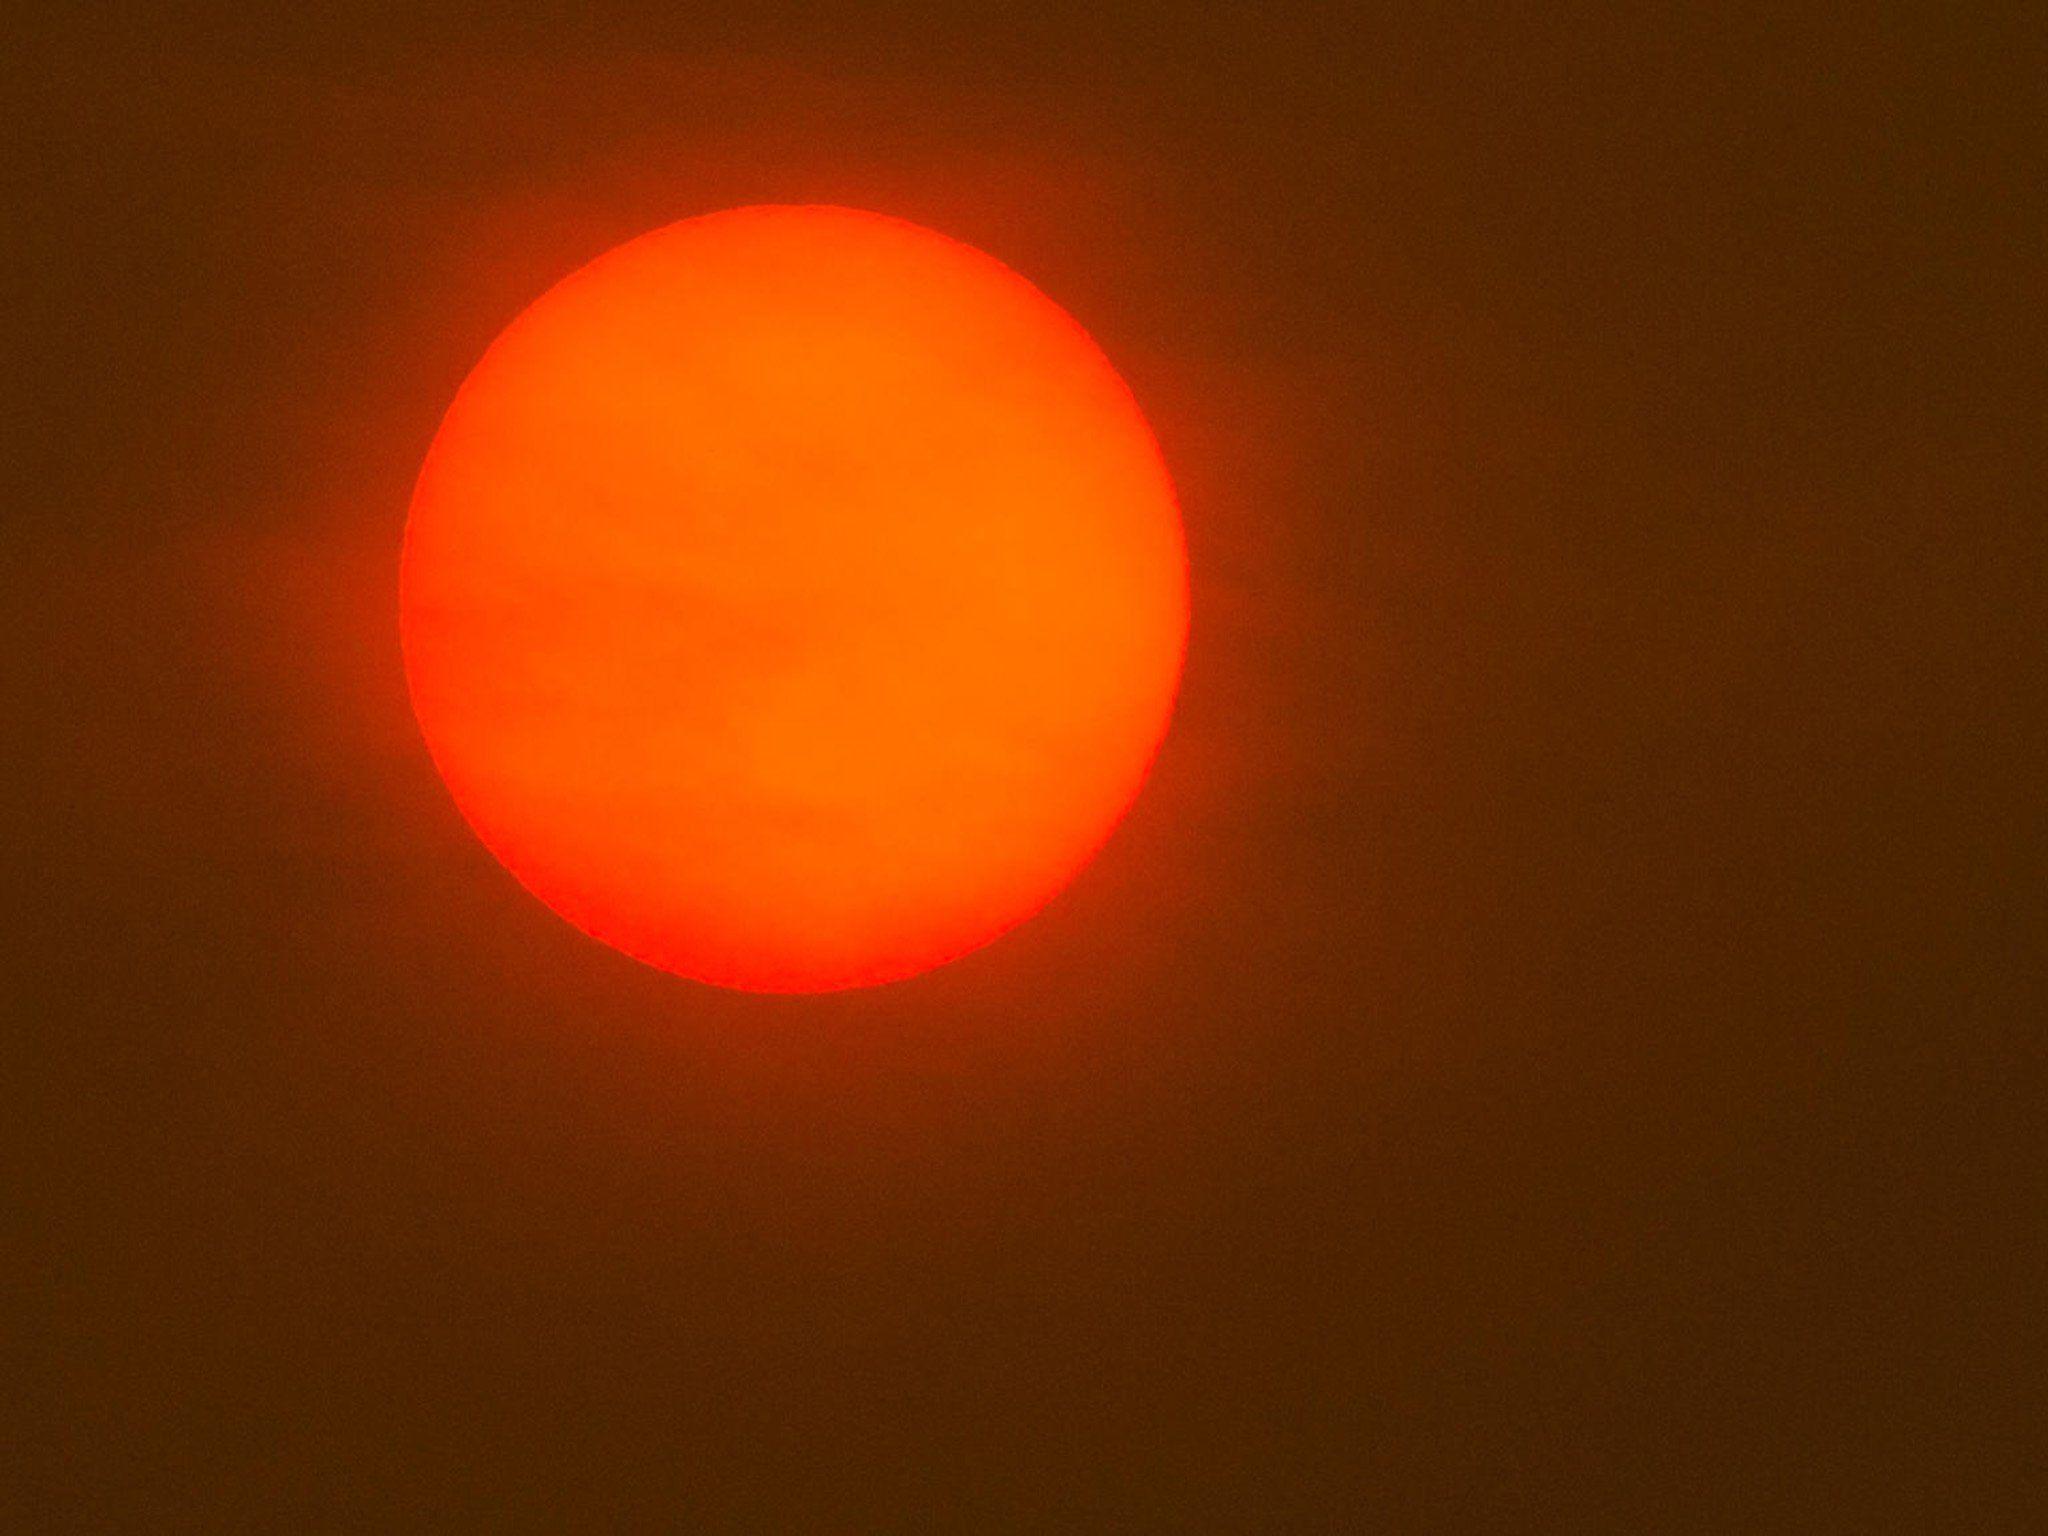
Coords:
1554,1046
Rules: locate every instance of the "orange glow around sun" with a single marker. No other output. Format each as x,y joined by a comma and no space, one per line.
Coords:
793,598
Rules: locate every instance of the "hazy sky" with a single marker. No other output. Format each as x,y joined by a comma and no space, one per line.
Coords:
1553,1048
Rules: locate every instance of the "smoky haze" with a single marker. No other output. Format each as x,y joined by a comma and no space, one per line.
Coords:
1553,1047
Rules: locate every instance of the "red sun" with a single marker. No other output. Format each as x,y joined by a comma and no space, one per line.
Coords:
793,598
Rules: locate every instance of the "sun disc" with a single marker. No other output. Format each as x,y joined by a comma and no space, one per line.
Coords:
793,598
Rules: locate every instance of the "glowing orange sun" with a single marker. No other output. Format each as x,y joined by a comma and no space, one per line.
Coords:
793,598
